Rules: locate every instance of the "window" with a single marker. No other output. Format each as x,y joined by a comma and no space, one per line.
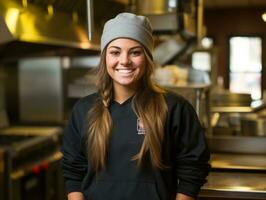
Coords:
245,65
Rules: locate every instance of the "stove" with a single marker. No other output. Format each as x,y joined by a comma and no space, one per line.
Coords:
30,157
14,140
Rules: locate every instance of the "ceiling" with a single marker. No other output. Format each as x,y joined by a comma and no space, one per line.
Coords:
233,3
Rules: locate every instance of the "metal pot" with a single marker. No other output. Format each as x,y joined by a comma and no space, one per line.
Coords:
253,126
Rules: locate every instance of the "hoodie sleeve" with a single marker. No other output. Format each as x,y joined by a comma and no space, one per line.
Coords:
192,154
74,161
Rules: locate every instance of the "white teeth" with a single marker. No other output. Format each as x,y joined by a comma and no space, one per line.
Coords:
125,70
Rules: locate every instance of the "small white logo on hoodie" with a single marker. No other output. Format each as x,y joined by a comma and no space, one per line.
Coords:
140,127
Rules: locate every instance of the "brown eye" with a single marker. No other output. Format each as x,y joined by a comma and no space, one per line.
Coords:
136,53
114,53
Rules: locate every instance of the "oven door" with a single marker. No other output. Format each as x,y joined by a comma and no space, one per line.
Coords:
42,181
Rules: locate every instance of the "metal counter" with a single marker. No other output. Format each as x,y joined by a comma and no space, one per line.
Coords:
236,176
32,130
239,161
237,185
237,144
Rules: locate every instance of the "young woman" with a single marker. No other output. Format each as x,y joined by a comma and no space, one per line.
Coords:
132,139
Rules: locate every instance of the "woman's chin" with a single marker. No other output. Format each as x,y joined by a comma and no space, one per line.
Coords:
126,83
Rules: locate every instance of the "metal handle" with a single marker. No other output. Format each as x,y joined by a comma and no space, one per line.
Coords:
90,18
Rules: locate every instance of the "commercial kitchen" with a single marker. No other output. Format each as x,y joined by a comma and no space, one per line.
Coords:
212,52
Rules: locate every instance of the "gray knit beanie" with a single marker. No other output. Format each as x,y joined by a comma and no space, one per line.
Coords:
128,25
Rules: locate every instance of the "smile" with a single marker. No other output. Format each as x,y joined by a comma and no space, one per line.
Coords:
125,71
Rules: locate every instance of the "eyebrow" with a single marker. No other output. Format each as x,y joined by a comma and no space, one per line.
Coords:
134,47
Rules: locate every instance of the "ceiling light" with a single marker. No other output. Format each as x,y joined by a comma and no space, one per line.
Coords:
263,16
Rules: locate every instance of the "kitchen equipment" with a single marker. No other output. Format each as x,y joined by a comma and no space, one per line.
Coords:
62,27
168,49
237,144
3,114
252,125
50,25
178,25
41,98
231,108
30,160
234,185
167,16
2,175
227,98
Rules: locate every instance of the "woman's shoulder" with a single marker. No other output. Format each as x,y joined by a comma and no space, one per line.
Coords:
89,99
173,98
86,102
176,101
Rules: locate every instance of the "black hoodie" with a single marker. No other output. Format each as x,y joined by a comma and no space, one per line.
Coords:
184,151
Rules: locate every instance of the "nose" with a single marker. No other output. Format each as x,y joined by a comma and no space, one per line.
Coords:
125,59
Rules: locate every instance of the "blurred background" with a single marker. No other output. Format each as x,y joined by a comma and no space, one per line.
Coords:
210,51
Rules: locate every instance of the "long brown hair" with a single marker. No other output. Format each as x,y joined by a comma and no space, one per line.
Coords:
149,105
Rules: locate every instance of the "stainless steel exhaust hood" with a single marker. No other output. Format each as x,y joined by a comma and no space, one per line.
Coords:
58,23
27,22
173,16
179,22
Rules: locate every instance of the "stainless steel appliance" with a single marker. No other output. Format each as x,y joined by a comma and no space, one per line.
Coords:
41,96
3,114
29,165
237,114
226,98
53,27
253,125
178,25
172,16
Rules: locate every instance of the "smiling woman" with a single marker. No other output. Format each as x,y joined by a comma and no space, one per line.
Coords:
125,62
132,139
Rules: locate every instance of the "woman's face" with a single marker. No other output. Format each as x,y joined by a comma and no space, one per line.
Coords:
125,62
